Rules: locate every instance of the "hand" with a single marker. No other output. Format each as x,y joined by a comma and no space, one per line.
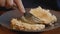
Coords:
6,3
11,3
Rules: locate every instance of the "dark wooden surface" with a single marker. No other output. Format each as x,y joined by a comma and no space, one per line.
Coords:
30,4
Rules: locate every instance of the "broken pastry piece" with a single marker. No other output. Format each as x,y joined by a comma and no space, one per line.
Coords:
44,15
44,18
19,25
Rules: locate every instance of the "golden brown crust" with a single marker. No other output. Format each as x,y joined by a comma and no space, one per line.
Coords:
19,25
44,15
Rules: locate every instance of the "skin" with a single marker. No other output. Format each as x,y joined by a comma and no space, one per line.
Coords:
11,3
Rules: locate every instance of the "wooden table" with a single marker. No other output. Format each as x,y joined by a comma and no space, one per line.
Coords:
4,30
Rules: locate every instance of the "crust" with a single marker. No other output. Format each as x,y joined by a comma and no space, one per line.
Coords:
19,25
44,15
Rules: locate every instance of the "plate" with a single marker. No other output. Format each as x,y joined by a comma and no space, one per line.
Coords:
6,18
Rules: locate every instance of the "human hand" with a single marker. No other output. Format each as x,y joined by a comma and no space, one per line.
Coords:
12,3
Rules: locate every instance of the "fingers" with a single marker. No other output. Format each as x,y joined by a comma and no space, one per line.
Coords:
9,3
2,3
20,6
